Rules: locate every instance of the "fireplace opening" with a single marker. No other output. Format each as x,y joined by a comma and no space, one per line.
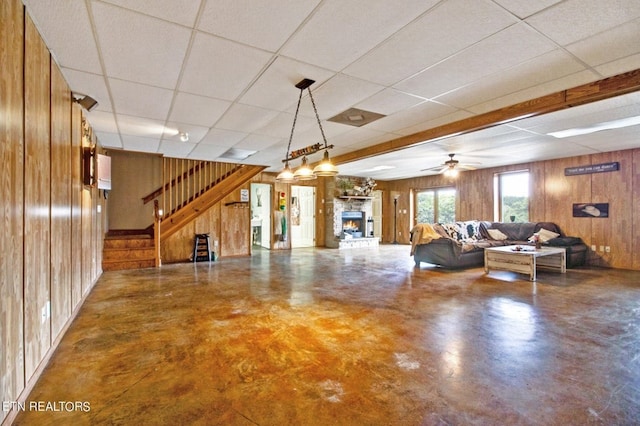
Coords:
353,223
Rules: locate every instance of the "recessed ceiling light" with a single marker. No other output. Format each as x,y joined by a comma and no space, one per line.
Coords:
607,125
184,136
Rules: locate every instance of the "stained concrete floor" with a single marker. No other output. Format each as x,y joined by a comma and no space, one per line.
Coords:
352,337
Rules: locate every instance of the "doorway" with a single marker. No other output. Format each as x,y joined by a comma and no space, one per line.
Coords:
261,215
303,218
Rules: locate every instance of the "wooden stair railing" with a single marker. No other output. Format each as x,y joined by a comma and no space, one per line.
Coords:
184,180
174,221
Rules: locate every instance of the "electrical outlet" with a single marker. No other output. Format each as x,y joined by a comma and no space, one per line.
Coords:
607,249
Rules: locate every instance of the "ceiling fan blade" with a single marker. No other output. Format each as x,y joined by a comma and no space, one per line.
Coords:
466,167
431,169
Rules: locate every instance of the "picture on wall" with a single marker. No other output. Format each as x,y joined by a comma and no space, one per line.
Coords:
591,210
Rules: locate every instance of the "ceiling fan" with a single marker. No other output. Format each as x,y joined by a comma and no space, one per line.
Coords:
451,167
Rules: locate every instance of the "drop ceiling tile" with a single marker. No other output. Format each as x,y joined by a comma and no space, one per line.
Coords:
450,116
140,100
525,8
259,142
572,80
197,110
359,138
445,30
608,46
501,51
245,118
419,114
312,135
89,84
109,140
280,126
182,12
389,101
275,88
542,69
338,94
66,29
175,149
266,25
141,144
102,121
207,152
140,48
339,32
206,74
221,137
629,63
573,20
138,126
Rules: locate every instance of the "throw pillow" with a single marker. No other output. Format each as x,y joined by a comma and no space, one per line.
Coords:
496,234
546,235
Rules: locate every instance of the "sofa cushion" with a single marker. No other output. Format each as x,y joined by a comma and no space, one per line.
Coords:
496,234
546,235
564,241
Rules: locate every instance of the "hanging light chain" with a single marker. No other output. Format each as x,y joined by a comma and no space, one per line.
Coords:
295,118
324,139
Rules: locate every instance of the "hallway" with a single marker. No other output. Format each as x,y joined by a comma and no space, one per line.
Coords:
351,337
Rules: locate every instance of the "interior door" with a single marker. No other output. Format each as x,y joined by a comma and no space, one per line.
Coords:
303,219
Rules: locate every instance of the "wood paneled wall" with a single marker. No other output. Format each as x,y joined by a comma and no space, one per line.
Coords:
11,201
37,205
552,197
51,240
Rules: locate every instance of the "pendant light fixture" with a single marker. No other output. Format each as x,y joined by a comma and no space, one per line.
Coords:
304,172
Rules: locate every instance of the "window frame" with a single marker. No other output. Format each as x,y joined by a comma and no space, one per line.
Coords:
498,193
436,191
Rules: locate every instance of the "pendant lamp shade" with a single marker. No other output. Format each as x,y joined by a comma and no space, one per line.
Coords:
304,172
286,175
326,167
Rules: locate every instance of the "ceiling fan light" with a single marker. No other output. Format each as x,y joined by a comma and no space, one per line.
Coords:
286,175
326,167
451,172
304,172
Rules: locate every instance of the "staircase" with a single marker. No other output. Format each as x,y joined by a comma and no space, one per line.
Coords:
190,188
132,250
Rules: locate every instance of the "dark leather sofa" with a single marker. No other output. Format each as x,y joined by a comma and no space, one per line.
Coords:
461,245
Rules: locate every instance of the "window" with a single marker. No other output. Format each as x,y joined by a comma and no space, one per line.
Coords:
511,196
436,205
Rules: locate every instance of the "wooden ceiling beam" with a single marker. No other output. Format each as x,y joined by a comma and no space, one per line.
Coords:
591,92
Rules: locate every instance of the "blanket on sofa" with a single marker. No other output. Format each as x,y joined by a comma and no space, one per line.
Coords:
422,233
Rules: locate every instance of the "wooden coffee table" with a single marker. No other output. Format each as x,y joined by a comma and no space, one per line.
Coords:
526,260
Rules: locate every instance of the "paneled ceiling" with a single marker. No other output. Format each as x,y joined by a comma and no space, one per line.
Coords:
224,71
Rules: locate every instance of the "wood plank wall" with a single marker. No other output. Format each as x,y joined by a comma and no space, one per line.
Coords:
36,198
51,240
11,201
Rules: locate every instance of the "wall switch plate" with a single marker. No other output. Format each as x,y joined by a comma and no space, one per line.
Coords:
601,248
607,249
593,247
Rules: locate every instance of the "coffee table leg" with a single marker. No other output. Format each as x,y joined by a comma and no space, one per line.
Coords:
533,275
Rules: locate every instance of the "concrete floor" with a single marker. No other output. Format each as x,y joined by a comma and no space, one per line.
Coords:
351,337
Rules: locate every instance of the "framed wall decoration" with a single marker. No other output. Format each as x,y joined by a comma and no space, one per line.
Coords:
591,210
